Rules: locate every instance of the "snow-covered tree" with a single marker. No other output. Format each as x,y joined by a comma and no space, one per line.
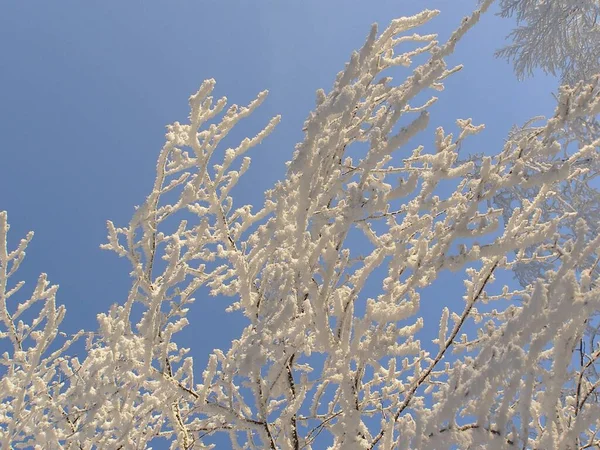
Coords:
562,37
320,363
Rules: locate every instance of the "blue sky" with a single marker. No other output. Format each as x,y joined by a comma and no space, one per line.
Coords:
86,89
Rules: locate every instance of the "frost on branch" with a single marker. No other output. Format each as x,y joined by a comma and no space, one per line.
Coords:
575,194
324,360
32,364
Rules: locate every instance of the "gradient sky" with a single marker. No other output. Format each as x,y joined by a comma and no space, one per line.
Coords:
86,89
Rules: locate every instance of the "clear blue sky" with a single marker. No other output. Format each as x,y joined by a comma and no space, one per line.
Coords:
86,89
